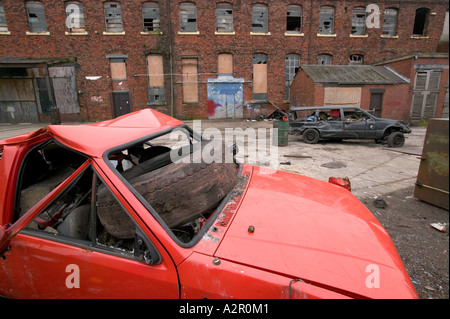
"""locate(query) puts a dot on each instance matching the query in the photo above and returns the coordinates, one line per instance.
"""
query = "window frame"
(108, 25)
(421, 21)
(154, 7)
(262, 10)
(390, 22)
(290, 65)
(325, 12)
(3, 25)
(325, 57)
(82, 26)
(31, 5)
(187, 11)
(356, 59)
(294, 8)
(225, 26)
(359, 16)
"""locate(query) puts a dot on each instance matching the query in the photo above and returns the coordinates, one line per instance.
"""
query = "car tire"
(311, 136)
(178, 192)
(396, 139)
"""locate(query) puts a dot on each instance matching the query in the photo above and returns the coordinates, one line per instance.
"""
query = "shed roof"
(353, 74)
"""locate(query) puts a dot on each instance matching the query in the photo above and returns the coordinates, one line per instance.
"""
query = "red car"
(104, 211)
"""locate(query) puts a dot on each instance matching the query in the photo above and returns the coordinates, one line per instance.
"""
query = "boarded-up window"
(225, 61)
(118, 69)
(224, 17)
(326, 22)
(292, 65)
(155, 72)
(421, 21)
(356, 59)
(390, 22)
(190, 80)
(113, 17)
(188, 17)
(260, 20)
(324, 59)
(36, 16)
(359, 21)
(294, 19)
(3, 25)
(259, 76)
(75, 17)
(150, 17)
(342, 96)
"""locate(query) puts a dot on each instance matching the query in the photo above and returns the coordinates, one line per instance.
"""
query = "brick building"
(95, 60)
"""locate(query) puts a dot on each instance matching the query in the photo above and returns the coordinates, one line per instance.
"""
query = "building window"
(260, 20)
(259, 61)
(356, 59)
(324, 59)
(3, 25)
(150, 17)
(426, 91)
(326, 21)
(294, 19)
(292, 65)
(188, 17)
(155, 71)
(359, 21)
(113, 17)
(75, 17)
(36, 16)
(190, 80)
(390, 22)
(421, 21)
(225, 64)
(224, 17)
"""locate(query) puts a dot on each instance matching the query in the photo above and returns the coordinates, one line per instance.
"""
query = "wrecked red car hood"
(315, 231)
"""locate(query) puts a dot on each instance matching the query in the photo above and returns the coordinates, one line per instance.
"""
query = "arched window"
(188, 17)
(36, 16)
(259, 61)
(150, 17)
(359, 21)
(421, 21)
(294, 19)
(260, 19)
(326, 21)
(324, 59)
(390, 22)
(75, 16)
(113, 17)
(291, 67)
(224, 17)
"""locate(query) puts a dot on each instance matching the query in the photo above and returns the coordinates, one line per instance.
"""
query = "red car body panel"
(310, 239)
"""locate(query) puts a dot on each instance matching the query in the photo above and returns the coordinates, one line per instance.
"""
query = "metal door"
(121, 103)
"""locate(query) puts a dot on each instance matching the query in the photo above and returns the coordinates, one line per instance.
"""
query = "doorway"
(376, 102)
(121, 103)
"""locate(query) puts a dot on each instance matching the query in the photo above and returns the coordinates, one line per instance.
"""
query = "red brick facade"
(92, 51)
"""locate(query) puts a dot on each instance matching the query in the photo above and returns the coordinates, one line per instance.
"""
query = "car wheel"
(396, 139)
(311, 136)
(178, 192)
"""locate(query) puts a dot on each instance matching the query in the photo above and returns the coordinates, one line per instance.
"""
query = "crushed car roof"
(94, 139)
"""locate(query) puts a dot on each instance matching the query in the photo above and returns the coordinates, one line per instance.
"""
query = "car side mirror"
(144, 250)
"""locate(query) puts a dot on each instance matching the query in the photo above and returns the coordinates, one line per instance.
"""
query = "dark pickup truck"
(345, 122)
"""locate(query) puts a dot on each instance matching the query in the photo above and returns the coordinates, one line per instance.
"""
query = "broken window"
(421, 21)
(294, 19)
(150, 17)
(75, 17)
(225, 63)
(190, 80)
(390, 22)
(44, 168)
(326, 22)
(324, 59)
(36, 16)
(291, 68)
(113, 17)
(359, 21)
(180, 177)
(259, 76)
(224, 17)
(3, 25)
(356, 59)
(155, 70)
(188, 17)
(260, 20)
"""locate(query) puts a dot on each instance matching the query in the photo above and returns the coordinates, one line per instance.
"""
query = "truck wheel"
(396, 139)
(311, 136)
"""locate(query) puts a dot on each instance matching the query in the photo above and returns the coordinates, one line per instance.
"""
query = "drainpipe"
(171, 36)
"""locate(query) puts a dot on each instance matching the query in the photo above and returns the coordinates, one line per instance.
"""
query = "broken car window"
(179, 177)
(45, 168)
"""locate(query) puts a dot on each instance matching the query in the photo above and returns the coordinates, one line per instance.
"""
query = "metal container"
(283, 133)
(432, 183)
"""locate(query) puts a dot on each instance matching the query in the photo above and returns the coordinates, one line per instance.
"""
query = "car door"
(59, 248)
(355, 124)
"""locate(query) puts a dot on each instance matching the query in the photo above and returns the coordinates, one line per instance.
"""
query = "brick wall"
(91, 50)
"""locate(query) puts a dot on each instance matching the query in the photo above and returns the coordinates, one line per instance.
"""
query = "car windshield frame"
(213, 216)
